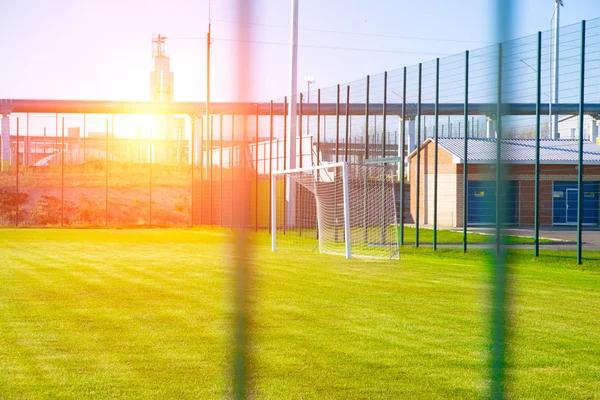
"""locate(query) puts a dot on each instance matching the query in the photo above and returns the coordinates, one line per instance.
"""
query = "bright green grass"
(146, 314)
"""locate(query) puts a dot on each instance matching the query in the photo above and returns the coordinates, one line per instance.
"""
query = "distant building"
(558, 182)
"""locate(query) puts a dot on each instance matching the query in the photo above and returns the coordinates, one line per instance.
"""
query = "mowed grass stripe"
(131, 336)
(147, 313)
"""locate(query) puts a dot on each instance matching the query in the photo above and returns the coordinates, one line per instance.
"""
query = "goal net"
(345, 209)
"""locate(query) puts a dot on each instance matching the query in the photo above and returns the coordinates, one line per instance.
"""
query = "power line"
(356, 33)
(318, 46)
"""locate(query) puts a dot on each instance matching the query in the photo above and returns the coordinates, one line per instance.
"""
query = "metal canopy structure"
(8, 106)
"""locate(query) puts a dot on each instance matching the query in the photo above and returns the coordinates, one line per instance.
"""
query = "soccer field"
(148, 314)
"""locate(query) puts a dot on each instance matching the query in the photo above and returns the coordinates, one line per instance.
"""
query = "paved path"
(565, 237)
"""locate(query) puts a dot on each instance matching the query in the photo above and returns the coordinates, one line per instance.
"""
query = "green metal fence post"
(300, 114)
(271, 161)
(384, 112)
(466, 155)
(221, 170)
(192, 163)
(402, 151)
(435, 154)
(536, 207)
(580, 150)
(106, 179)
(256, 171)
(17, 177)
(347, 123)
(367, 118)
(62, 176)
(383, 175)
(318, 127)
(337, 125)
(417, 148)
(285, 107)
(232, 168)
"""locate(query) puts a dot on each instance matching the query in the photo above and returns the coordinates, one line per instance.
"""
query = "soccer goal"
(341, 208)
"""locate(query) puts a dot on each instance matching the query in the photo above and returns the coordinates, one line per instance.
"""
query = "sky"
(100, 50)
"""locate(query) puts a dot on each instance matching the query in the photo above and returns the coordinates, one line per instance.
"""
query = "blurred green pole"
(580, 161)
(504, 12)
(536, 207)
(402, 150)
(435, 154)
(417, 148)
(466, 154)
(498, 351)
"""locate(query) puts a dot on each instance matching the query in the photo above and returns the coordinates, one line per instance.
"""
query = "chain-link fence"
(437, 121)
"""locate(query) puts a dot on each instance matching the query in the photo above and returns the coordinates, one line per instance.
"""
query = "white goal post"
(337, 208)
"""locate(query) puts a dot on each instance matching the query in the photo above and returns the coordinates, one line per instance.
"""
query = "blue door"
(572, 197)
(481, 202)
(565, 197)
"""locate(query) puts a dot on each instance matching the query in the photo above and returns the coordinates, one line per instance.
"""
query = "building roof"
(519, 151)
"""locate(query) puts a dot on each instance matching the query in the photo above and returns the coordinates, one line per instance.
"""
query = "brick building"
(558, 182)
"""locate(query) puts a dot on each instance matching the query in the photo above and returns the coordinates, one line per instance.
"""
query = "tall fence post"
(580, 187)
(300, 113)
(106, 179)
(383, 173)
(150, 162)
(337, 124)
(367, 118)
(209, 168)
(201, 171)
(62, 176)
(318, 126)
(418, 149)
(536, 207)
(221, 170)
(466, 156)
(384, 112)
(256, 170)
(271, 205)
(435, 151)
(231, 168)
(402, 151)
(347, 123)
(285, 107)
(17, 198)
(193, 164)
